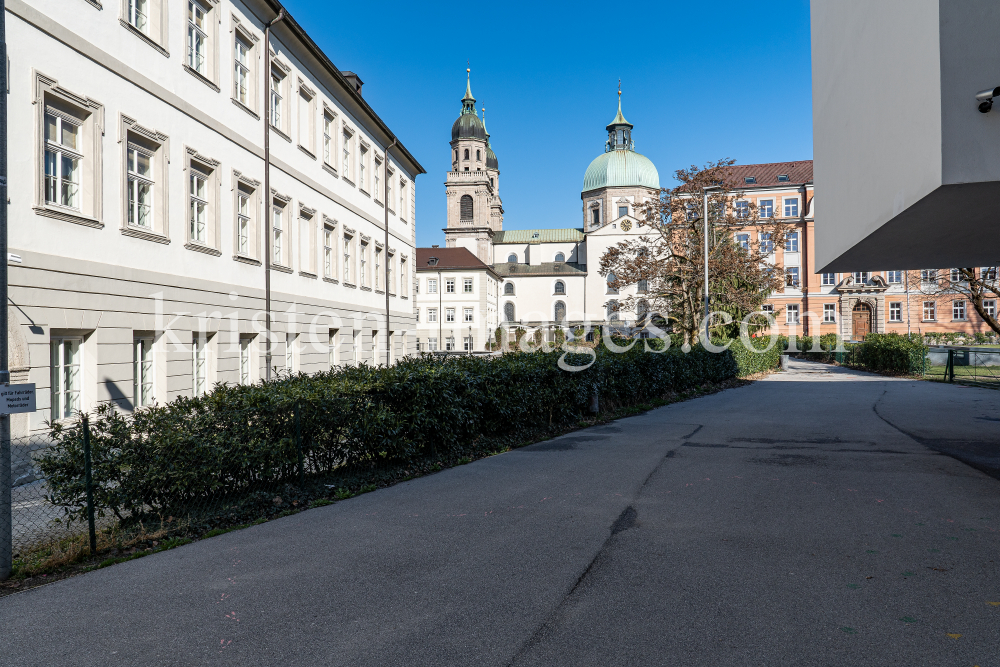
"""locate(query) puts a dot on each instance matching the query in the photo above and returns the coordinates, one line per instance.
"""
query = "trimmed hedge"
(890, 353)
(167, 459)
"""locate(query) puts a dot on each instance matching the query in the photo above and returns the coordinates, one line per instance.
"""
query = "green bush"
(238, 441)
(890, 353)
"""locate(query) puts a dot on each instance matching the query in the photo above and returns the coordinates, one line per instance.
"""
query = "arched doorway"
(861, 320)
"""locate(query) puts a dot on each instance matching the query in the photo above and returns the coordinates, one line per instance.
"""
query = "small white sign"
(15, 398)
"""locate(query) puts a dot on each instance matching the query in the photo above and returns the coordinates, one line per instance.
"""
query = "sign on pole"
(15, 398)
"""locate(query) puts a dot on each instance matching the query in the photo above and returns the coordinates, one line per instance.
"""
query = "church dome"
(621, 168)
(491, 158)
(468, 126)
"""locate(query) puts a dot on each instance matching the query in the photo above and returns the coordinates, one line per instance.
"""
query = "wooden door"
(861, 321)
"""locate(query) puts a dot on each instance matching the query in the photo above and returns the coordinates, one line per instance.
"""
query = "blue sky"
(700, 81)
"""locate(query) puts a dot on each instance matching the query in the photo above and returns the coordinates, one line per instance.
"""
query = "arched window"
(465, 208)
(478, 155)
(560, 312)
(560, 287)
(456, 154)
(508, 288)
(611, 281)
(508, 312)
(560, 257)
(512, 258)
(642, 286)
(613, 311)
(641, 310)
(466, 153)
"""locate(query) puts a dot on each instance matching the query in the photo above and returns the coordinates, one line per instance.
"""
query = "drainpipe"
(269, 202)
(440, 311)
(385, 281)
(804, 260)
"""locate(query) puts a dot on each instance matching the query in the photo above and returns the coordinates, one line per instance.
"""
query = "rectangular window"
(767, 308)
(241, 74)
(958, 310)
(449, 285)
(642, 286)
(347, 155)
(245, 360)
(328, 251)
(142, 372)
(743, 241)
(742, 209)
(332, 348)
(432, 344)
(792, 276)
(432, 286)
(449, 315)
(197, 38)
(449, 343)
(956, 276)
(766, 207)
(66, 363)
(829, 278)
(363, 264)
(467, 343)
(277, 101)
(766, 244)
(347, 258)
(467, 315)
(199, 365)
(928, 276)
(290, 353)
(595, 216)
(861, 277)
(792, 242)
(989, 273)
(930, 311)
(138, 15)
(402, 201)
(307, 120)
(792, 314)
(432, 314)
(622, 211)
(896, 311)
(391, 276)
(378, 268)
(792, 207)
(895, 277)
(990, 307)
(63, 158)
(327, 139)
(467, 286)
(199, 206)
(140, 187)
(243, 222)
(277, 234)
(829, 312)
(376, 170)
(362, 160)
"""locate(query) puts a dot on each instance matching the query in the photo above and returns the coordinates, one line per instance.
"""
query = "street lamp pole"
(269, 201)
(6, 476)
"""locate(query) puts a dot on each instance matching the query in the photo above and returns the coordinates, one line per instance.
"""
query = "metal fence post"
(949, 371)
(298, 444)
(89, 481)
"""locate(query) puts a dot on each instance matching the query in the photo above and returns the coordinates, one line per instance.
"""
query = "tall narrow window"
(958, 310)
(140, 187)
(467, 314)
(508, 312)
(142, 372)
(276, 100)
(363, 264)
(333, 348)
(792, 313)
(792, 242)
(197, 39)
(402, 199)
(622, 211)
(743, 241)
(449, 285)
(829, 312)
(199, 206)
(465, 208)
(347, 154)
(390, 285)
(327, 139)
(792, 207)
(243, 222)
(766, 243)
(277, 233)
(765, 207)
(378, 268)
(65, 366)
(245, 348)
(896, 311)
(930, 311)
(612, 281)
(467, 285)
(595, 215)
(138, 14)
(241, 75)
(432, 286)
(376, 181)
(362, 158)
(199, 365)
(62, 161)
(347, 259)
(290, 353)
(328, 252)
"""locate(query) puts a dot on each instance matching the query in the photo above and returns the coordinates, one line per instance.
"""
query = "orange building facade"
(851, 304)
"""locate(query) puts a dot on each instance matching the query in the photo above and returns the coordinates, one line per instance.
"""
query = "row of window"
(468, 344)
(468, 315)
(356, 163)
(765, 208)
(766, 244)
(558, 258)
(449, 285)
(895, 311)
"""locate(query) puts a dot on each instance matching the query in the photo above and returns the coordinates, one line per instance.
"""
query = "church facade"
(547, 276)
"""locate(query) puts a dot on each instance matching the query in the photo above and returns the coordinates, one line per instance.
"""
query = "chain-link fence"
(964, 365)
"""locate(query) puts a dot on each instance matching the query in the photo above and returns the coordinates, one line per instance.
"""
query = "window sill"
(348, 181)
(68, 216)
(331, 280)
(144, 37)
(283, 269)
(95, 3)
(379, 203)
(363, 192)
(394, 213)
(308, 274)
(312, 156)
(201, 77)
(197, 247)
(281, 134)
(330, 170)
(352, 286)
(928, 320)
(246, 260)
(245, 108)
(366, 289)
(378, 291)
(405, 297)
(145, 235)
(391, 294)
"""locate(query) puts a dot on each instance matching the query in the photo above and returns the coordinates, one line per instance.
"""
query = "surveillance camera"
(985, 99)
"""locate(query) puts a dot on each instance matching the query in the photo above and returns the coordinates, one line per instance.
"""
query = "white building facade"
(139, 214)
(456, 301)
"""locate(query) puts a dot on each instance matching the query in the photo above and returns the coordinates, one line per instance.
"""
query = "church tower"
(472, 188)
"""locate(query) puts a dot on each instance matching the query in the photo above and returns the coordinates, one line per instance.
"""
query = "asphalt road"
(808, 519)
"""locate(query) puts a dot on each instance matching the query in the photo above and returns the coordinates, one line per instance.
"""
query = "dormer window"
(782, 178)
(432, 261)
(534, 235)
(750, 180)
(512, 258)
